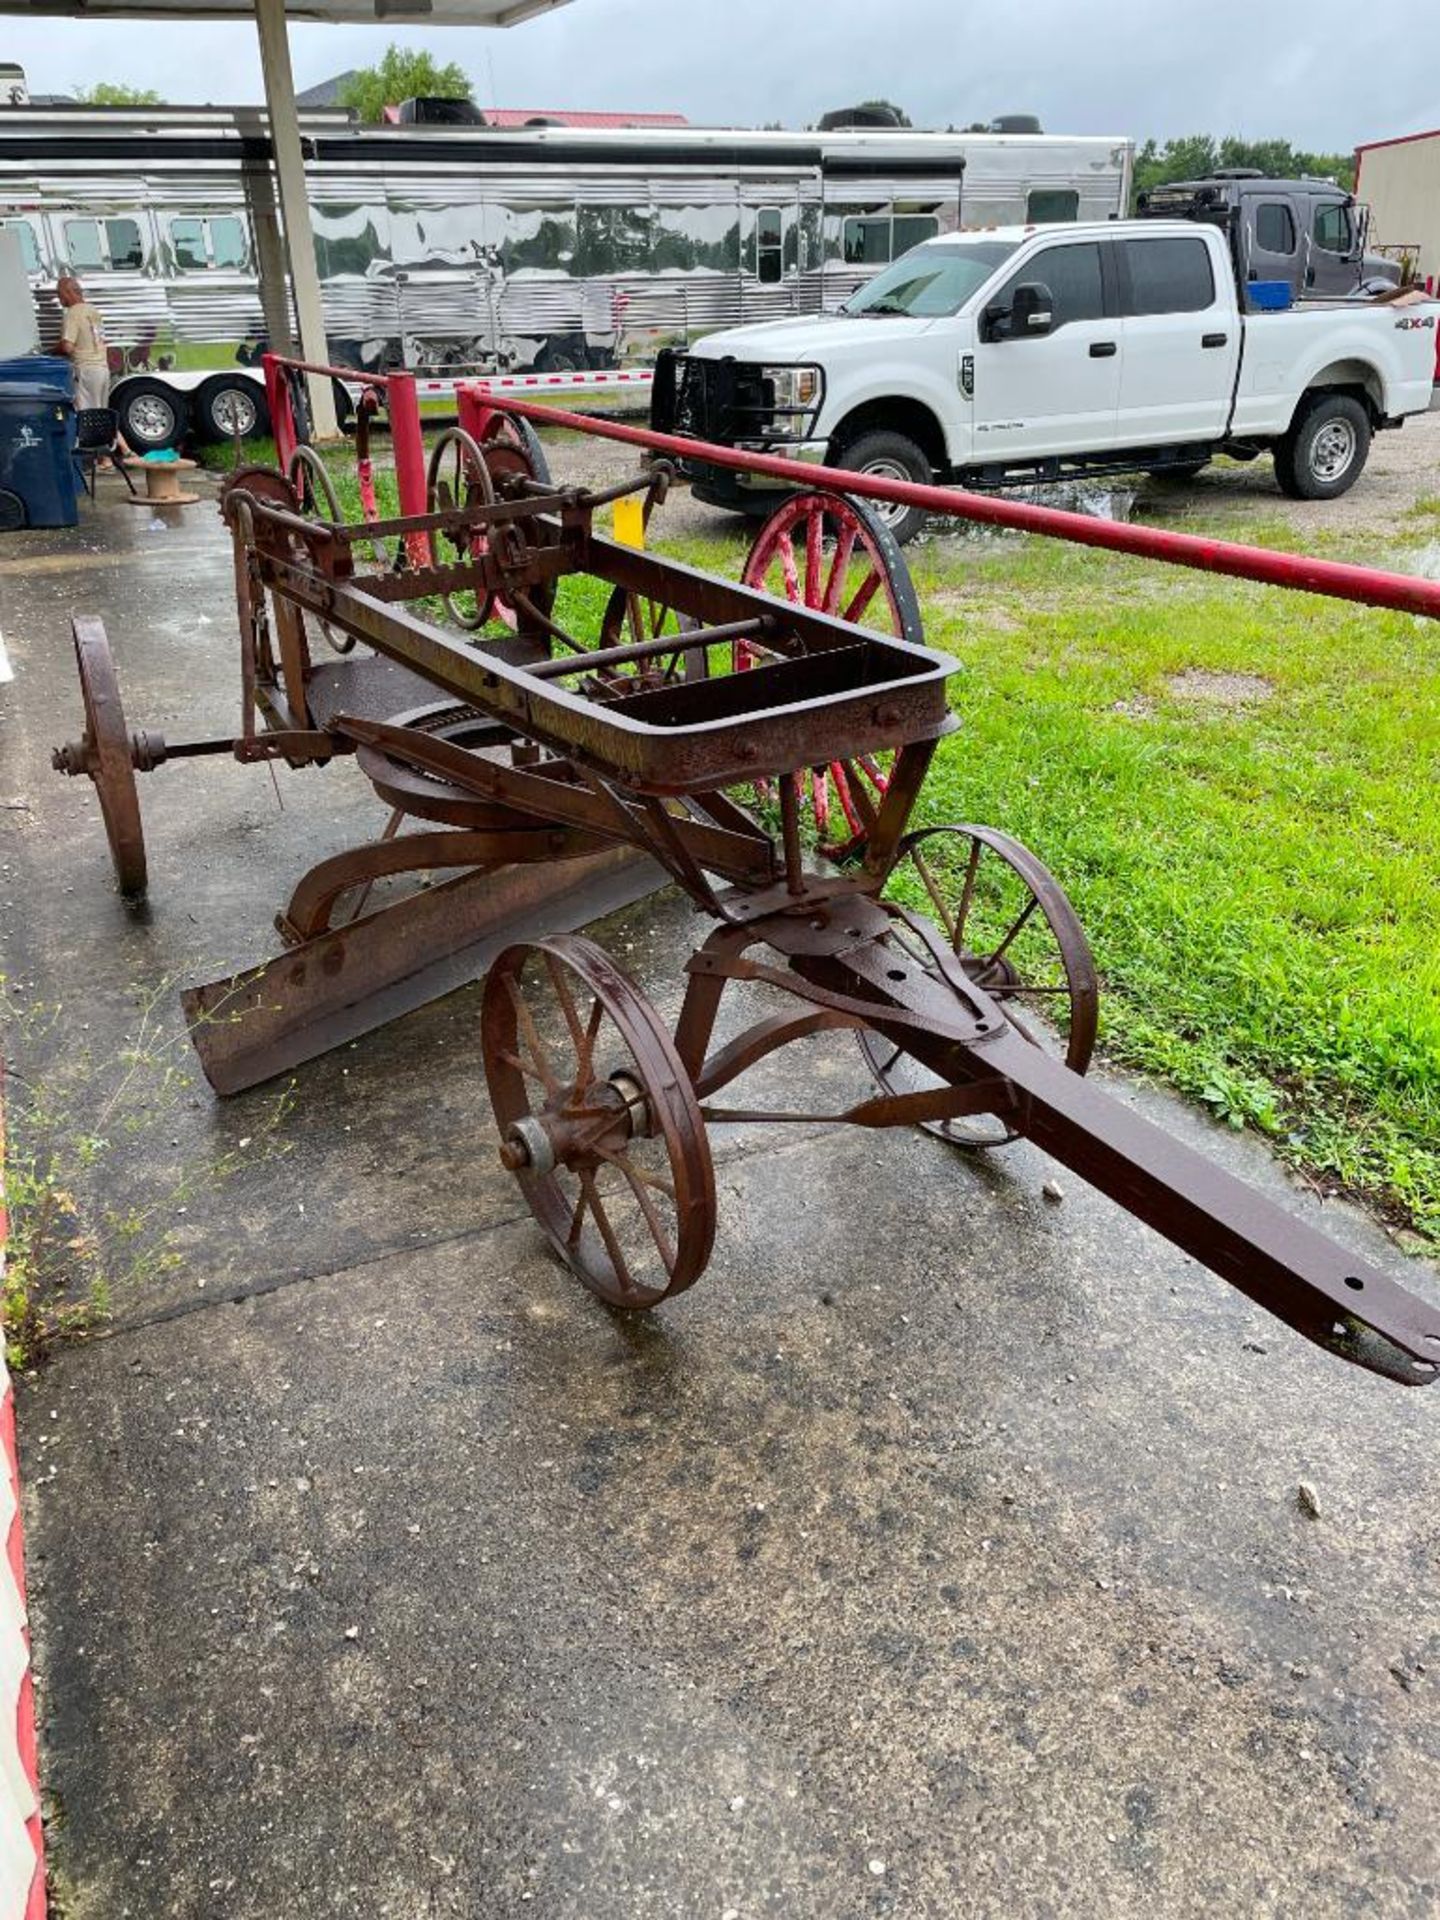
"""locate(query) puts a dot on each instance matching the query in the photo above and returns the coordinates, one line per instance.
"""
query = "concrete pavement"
(939, 1554)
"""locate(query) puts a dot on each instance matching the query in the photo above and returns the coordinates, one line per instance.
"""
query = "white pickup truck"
(1031, 353)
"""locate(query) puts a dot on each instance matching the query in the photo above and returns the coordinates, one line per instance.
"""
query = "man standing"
(82, 341)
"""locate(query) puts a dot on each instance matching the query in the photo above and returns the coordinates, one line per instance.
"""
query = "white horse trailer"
(457, 251)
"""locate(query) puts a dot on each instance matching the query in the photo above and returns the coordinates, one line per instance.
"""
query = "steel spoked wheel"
(1016, 936)
(830, 553)
(512, 447)
(458, 479)
(315, 495)
(108, 757)
(598, 1121)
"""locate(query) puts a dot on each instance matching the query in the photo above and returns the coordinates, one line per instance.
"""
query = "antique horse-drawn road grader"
(559, 721)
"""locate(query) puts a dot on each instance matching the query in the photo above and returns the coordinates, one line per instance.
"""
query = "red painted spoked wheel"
(831, 553)
(458, 477)
(598, 1121)
(1017, 937)
(107, 756)
(505, 436)
(315, 494)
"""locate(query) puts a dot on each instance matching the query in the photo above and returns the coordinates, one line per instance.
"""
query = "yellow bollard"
(630, 523)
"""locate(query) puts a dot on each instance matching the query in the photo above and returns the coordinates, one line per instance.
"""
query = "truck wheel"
(1324, 453)
(152, 415)
(226, 407)
(889, 456)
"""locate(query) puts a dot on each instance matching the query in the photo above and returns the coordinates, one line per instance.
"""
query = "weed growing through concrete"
(93, 1191)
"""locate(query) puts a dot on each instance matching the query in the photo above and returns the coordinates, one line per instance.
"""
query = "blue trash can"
(36, 432)
(39, 370)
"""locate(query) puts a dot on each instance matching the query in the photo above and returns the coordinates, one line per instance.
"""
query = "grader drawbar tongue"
(553, 761)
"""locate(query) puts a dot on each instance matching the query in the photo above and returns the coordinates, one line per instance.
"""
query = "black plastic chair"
(97, 429)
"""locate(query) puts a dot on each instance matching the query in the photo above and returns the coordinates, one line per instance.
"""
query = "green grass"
(1260, 882)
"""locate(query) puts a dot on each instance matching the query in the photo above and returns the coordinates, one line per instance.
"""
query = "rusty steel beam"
(352, 979)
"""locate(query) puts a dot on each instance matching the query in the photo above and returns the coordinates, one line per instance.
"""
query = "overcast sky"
(1323, 73)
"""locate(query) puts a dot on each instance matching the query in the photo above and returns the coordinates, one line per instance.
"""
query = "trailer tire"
(1324, 453)
(563, 353)
(891, 456)
(152, 415)
(227, 406)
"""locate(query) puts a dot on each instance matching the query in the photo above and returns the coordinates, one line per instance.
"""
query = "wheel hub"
(1333, 450)
(612, 1112)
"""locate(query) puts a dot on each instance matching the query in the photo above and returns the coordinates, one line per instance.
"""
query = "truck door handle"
(1103, 349)
(1213, 340)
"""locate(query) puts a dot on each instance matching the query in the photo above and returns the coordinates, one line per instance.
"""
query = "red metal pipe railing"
(1371, 586)
(402, 407)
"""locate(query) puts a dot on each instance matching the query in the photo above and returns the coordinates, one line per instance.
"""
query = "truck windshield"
(932, 280)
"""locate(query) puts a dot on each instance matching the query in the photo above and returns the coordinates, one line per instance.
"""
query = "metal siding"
(413, 235)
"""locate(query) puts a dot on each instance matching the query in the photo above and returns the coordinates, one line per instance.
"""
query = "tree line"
(1197, 154)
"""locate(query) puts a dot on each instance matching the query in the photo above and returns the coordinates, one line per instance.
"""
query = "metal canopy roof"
(414, 13)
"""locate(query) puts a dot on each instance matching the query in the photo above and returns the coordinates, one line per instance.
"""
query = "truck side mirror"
(1032, 309)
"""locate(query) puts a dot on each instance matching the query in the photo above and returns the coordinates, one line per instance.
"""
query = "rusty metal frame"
(524, 772)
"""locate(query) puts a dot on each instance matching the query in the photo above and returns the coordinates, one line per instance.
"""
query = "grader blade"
(354, 978)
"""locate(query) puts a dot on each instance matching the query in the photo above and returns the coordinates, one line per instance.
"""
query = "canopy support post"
(295, 206)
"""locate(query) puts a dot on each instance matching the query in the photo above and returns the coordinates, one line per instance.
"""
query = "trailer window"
(1274, 229)
(1332, 227)
(1046, 204)
(126, 253)
(769, 245)
(82, 245)
(29, 250)
(187, 237)
(227, 241)
(1169, 276)
(910, 229)
(866, 242)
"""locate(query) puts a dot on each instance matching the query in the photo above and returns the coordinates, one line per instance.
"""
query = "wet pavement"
(940, 1553)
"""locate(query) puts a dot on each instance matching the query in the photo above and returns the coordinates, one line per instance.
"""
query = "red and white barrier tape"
(22, 1862)
(542, 382)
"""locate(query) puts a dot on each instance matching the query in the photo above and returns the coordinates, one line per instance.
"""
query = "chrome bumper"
(812, 451)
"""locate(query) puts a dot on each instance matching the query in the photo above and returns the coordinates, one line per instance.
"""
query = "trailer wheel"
(564, 353)
(227, 408)
(1324, 453)
(152, 415)
(889, 456)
